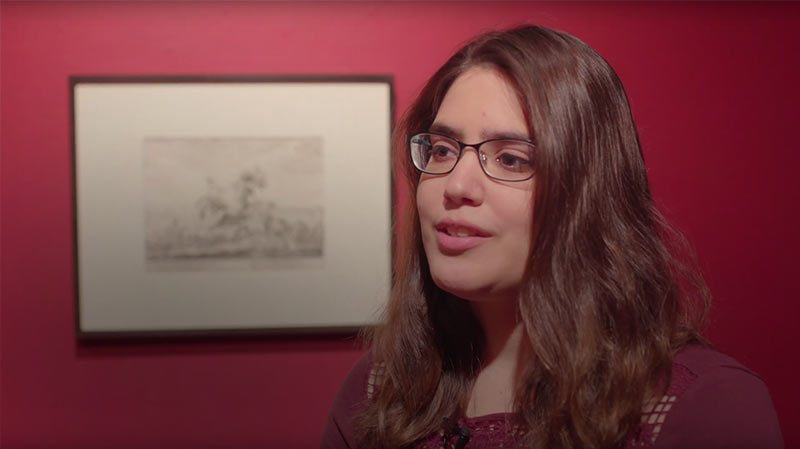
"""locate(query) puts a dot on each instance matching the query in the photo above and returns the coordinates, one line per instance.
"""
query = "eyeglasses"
(501, 159)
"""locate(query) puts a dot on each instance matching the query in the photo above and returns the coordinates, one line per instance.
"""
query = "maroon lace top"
(712, 402)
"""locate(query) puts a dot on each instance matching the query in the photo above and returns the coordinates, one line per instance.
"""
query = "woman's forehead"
(480, 105)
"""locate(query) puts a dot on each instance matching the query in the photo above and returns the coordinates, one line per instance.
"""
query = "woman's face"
(476, 230)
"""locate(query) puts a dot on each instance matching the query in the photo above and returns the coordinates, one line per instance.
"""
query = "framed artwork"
(231, 204)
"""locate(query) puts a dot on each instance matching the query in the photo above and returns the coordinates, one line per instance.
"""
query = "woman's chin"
(456, 287)
(470, 290)
(474, 289)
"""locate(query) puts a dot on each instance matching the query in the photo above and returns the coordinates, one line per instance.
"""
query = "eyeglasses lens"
(507, 160)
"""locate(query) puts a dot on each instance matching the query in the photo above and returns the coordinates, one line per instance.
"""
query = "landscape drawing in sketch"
(233, 203)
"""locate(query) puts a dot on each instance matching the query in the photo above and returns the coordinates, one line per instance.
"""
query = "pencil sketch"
(228, 203)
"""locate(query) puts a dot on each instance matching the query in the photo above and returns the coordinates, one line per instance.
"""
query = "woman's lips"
(456, 237)
(449, 244)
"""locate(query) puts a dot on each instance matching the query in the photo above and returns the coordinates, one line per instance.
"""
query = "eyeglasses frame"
(461, 147)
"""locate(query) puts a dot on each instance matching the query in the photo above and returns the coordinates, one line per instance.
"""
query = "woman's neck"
(502, 329)
(493, 388)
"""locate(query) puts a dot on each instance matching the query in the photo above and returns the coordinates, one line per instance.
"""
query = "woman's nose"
(465, 184)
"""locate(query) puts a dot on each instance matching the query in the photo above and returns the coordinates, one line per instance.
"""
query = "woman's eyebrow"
(440, 128)
(489, 135)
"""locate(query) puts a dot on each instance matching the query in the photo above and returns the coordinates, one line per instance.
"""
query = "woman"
(537, 300)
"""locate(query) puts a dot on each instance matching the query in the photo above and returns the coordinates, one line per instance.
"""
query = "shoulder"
(701, 359)
(354, 386)
(340, 427)
(713, 402)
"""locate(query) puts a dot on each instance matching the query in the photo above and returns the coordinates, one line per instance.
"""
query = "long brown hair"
(605, 302)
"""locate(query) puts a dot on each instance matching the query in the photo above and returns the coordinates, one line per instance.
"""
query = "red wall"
(714, 89)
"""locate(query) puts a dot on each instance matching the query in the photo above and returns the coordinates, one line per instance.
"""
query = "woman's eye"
(513, 162)
(440, 152)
